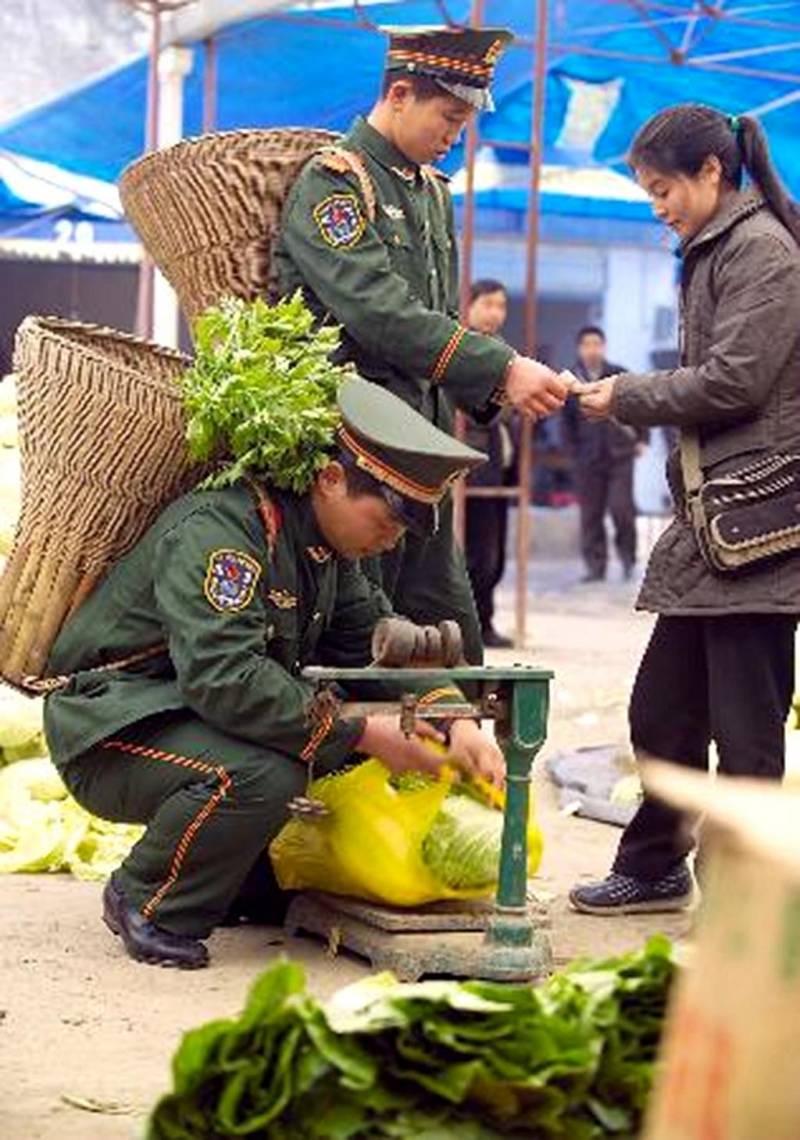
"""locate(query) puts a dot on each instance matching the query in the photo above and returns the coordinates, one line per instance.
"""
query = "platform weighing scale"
(505, 940)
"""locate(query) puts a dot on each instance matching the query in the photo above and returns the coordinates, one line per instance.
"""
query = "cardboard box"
(730, 1058)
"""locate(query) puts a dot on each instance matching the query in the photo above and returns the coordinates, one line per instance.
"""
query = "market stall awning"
(611, 65)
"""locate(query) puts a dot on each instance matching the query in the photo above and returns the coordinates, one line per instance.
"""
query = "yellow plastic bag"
(370, 843)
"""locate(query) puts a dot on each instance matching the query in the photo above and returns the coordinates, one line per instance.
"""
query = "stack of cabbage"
(41, 827)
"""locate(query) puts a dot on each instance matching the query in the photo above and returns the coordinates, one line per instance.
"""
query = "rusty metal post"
(210, 84)
(467, 247)
(531, 310)
(144, 302)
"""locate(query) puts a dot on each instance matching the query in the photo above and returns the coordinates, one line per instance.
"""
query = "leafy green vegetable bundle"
(569, 1060)
(261, 394)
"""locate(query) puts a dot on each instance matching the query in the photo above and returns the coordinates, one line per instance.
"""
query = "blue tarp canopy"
(35, 196)
(611, 66)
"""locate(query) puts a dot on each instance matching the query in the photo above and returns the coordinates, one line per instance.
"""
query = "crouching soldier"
(206, 736)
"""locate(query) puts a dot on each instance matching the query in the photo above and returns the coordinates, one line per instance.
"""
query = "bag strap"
(690, 461)
(693, 481)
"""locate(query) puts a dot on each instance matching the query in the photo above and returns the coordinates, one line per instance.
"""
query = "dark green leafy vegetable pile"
(569, 1060)
(261, 394)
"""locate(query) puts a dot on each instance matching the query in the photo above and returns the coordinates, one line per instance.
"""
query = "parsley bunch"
(261, 395)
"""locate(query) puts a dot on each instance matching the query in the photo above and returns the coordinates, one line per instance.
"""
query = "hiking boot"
(146, 942)
(624, 894)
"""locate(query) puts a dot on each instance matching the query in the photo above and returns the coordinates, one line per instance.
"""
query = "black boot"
(146, 942)
(494, 640)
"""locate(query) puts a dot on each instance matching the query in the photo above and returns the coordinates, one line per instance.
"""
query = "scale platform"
(442, 939)
(504, 940)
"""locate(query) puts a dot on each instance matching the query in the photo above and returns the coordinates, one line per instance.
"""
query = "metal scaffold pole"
(531, 308)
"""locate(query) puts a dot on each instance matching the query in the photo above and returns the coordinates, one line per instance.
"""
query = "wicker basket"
(207, 209)
(102, 442)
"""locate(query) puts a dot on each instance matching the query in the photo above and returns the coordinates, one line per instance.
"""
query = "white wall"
(638, 281)
(630, 282)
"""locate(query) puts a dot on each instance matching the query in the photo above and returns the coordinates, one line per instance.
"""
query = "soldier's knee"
(266, 777)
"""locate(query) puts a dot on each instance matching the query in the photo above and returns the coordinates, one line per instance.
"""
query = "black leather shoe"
(146, 942)
(494, 640)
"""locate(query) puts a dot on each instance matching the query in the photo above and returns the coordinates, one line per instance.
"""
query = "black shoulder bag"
(746, 516)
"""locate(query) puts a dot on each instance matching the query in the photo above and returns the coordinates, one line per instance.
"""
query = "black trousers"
(729, 679)
(485, 531)
(607, 488)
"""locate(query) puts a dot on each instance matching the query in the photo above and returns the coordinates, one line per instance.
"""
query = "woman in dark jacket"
(720, 663)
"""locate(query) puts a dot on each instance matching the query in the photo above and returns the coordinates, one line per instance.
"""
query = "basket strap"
(44, 685)
(267, 512)
(350, 161)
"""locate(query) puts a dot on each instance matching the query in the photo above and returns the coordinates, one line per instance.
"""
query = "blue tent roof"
(35, 196)
(609, 70)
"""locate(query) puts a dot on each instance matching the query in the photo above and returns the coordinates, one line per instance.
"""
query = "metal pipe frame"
(531, 310)
(144, 300)
(210, 83)
(467, 248)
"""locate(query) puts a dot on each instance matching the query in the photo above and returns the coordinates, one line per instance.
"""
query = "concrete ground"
(82, 1026)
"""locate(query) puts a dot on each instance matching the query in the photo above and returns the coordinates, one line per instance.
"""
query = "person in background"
(603, 452)
(486, 521)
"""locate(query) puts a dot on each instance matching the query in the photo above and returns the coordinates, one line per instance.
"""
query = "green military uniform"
(387, 270)
(209, 737)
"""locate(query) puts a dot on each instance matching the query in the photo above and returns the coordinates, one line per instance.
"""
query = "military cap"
(461, 60)
(412, 462)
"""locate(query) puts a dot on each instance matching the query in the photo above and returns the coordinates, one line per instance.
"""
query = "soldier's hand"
(475, 753)
(533, 388)
(382, 738)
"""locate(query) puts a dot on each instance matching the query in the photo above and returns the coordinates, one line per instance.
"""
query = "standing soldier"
(371, 242)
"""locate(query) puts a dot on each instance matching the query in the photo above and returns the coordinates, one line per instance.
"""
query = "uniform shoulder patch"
(231, 580)
(334, 160)
(340, 220)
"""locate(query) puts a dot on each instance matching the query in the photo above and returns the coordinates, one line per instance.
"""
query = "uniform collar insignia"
(407, 173)
(283, 599)
(319, 554)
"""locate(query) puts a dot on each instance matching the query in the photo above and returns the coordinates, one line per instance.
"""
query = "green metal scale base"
(505, 941)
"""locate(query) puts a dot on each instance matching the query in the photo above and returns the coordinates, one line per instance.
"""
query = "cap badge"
(494, 51)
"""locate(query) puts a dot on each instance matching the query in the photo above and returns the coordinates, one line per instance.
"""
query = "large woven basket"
(102, 443)
(207, 210)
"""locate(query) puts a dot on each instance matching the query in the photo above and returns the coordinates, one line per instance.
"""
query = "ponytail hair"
(679, 139)
(757, 162)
